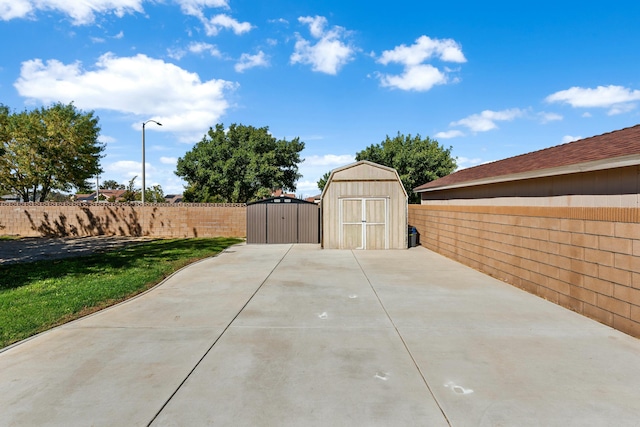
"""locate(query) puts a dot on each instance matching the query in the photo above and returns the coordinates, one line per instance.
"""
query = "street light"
(143, 160)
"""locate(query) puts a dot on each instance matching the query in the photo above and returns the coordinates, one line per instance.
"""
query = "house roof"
(279, 192)
(614, 149)
(116, 194)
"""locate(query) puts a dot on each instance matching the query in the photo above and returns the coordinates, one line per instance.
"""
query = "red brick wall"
(155, 220)
(585, 259)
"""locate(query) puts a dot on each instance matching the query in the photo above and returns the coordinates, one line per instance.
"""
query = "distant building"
(173, 198)
(10, 198)
(280, 193)
(314, 199)
(106, 195)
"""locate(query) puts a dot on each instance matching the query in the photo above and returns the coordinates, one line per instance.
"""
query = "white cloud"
(80, 12)
(146, 87)
(617, 98)
(486, 120)
(569, 138)
(449, 134)
(549, 117)
(105, 139)
(315, 166)
(307, 188)
(465, 162)
(250, 61)
(200, 47)
(417, 75)
(222, 21)
(278, 21)
(124, 170)
(329, 53)
(316, 24)
(424, 48)
(195, 7)
(329, 160)
(169, 160)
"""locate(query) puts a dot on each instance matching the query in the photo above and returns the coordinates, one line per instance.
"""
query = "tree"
(53, 148)
(241, 164)
(154, 194)
(130, 194)
(111, 184)
(323, 181)
(417, 160)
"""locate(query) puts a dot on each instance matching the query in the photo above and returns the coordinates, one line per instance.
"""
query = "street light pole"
(143, 159)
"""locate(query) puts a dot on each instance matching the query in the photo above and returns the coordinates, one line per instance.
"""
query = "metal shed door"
(282, 223)
(363, 223)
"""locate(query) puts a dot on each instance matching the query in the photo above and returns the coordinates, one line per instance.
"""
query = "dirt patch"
(31, 249)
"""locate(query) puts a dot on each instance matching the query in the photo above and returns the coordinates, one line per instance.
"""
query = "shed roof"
(614, 149)
(361, 163)
(280, 199)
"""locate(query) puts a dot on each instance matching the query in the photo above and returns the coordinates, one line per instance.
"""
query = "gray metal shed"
(283, 220)
(364, 206)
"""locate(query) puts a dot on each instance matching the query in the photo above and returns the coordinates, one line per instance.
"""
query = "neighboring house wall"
(122, 219)
(584, 258)
(618, 187)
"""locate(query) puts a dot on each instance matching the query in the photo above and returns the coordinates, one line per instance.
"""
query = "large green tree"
(238, 165)
(49, 148)
(418, 160)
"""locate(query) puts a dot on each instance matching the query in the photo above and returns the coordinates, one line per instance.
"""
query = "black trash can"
(413, 237)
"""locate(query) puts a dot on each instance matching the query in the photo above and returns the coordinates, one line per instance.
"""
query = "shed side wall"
(584, 259)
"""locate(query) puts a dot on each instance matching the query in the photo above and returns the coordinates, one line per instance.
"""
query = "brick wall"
(155, 220)
(585, 259)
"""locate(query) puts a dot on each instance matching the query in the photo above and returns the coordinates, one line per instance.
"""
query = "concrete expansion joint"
(384, 376)
(164, 405)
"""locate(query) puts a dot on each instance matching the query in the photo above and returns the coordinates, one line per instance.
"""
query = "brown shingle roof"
(610, 145)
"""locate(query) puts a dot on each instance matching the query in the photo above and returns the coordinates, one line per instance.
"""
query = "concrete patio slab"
(284, 335)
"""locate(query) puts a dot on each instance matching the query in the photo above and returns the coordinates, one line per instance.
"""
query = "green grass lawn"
(39, 295)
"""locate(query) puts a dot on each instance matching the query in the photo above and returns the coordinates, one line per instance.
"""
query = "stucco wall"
(585, 259)
(156, 220)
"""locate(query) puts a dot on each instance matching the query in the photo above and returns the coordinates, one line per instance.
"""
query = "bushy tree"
(323, 181)
(154, 194)
(131, 194)
(240, 164)
(49, 148)
(111, 184)
(417, 160)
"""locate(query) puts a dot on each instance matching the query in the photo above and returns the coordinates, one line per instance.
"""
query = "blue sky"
(490, 79)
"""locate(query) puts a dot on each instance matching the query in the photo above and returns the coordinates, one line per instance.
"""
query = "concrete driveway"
(291, 335)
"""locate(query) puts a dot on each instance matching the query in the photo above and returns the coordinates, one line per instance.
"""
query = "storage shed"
(364, 206)
(283, 220)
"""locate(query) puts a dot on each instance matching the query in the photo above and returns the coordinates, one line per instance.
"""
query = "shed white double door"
(364, 223)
